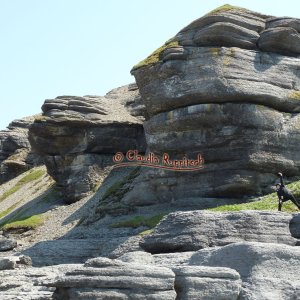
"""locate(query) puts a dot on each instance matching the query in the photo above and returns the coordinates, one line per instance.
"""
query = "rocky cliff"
(226, 86)
(16, 155)
(78, 136)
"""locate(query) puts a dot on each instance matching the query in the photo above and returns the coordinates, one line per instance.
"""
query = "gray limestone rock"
(222, 88)
(268, 271)
(78, 136)
(189, 231)
(16, 155)
(7, 263)
(7, 244)
(115, 280)
(209, 283)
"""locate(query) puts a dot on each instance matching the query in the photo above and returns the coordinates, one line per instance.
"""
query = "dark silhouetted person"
(284, 194)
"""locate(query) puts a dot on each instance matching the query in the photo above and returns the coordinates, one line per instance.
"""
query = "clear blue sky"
(78, 47)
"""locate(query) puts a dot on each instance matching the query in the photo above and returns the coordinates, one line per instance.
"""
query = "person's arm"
(281, 178)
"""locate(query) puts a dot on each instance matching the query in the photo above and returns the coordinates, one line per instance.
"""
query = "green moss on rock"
(225, 7)
(156, 55)
(294, 95)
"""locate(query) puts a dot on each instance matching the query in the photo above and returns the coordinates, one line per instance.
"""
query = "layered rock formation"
(16, 156)
(268, 271)
(194, 230)
(78, 136)
(112, 279)
(226, 86)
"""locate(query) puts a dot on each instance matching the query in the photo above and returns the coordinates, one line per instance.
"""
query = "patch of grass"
(138, 221)
(31, 176)
(8, 210)
(113, 190)
(118, 189)
(294, 95)
(29, 222)
(156, 55)
(268, 202)
(146, 232)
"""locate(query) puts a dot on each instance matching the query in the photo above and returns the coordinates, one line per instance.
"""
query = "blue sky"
(79, 47)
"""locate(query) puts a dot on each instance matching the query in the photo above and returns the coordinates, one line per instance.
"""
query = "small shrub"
(156, 55)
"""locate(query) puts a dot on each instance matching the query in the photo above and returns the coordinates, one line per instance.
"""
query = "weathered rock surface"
(12, 262)
(16, 156)
(78, 136)
(221, 88)
(24, 283)
(195, 282)
(268, 271)
(102, 278)
(7, 244)
(189, 231)
(72, 251)
(281, 36)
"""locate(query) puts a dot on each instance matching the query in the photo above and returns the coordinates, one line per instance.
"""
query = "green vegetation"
(118, 189)
(26, 223)
(268, 202)
(8, 210)
(146, 232)
(294, 95)
(32, 175)
(138, 221)
(225, 7)
(156, 55)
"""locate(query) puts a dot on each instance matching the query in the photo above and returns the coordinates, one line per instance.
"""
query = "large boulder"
(16, 155)
(78, 136)
(222, 88)
(194, 230)
(268, 271)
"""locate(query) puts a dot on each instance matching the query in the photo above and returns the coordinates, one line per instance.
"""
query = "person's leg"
(294, 200)
(279, 205)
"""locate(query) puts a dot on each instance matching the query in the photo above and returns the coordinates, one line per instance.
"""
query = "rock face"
(268, 271)
(102, 278)
(78, 136)
(194, 282)
(16, 156)
(194, 230)
(226, 86)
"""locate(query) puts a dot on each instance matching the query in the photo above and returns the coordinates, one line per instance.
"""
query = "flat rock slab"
(194, 230)
(72, 251)
(268, 271)
(22, 283)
